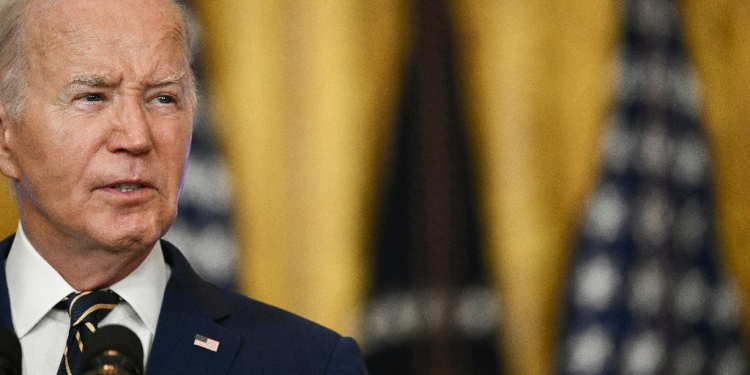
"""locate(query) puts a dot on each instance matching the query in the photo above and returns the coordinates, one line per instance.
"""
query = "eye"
(165, 99)
(93, 97)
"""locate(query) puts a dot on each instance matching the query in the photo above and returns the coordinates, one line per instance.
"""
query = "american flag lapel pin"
(206, 343)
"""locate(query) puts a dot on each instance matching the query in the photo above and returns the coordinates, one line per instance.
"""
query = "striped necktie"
(86, 310)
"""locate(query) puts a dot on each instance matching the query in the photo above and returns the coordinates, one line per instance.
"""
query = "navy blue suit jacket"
(254, 338)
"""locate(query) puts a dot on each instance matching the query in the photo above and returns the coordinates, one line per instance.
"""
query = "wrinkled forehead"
(54, 21)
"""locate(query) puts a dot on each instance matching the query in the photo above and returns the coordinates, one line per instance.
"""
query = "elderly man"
(96, 108)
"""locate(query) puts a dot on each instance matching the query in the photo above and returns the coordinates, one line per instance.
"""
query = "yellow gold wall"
(304, 92)
(539, 81)
(8, 211)
(301, 91)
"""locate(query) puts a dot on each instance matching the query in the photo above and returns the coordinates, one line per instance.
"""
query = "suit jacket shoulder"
(254, 338)
(6, 318)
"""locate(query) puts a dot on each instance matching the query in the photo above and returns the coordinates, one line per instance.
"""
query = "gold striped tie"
(86, 310)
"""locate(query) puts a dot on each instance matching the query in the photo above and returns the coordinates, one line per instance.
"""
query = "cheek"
(65, 156)
(174, 148)
(53, 162)
(37, 151)
(55, 139)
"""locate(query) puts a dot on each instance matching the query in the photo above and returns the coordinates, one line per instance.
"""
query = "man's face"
(100, 155)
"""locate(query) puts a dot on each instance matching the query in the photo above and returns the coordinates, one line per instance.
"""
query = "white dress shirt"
(35, 288)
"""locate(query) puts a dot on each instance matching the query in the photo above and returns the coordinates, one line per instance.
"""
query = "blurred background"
(420, 174)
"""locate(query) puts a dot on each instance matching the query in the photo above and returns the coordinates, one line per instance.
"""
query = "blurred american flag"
(647, 294)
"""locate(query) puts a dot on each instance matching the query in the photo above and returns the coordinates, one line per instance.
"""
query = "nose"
(131, 129)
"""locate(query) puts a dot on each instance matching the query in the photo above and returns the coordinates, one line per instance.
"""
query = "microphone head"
(113, 343)
(10, 352)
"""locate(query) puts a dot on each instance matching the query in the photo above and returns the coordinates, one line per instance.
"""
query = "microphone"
(10, 353)
(112, 350)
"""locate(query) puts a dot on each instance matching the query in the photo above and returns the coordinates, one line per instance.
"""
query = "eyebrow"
(90, 80)
(175, 78)
(97, 80)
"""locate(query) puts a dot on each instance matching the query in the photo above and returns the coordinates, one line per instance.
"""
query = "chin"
(127, 231)
(133, 238)
(128, 242)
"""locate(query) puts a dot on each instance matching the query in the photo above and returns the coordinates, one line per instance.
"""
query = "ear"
(8, 165)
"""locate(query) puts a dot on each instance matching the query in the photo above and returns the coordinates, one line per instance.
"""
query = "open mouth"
(126, 188)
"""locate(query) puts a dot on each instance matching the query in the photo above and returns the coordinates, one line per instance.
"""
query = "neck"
(88, 267)
(96, 272)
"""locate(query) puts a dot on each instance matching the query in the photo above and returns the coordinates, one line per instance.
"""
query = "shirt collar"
(34, 287)
(144, 288)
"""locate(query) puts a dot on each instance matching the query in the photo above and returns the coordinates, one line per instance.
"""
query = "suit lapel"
(190, 307)
(5, 316)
